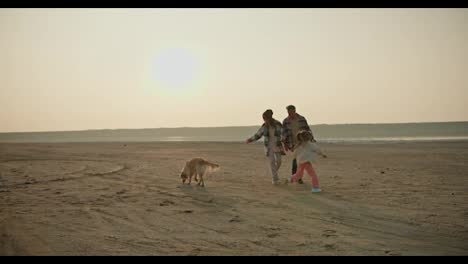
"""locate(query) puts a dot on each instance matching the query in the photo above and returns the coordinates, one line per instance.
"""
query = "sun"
(175, 68)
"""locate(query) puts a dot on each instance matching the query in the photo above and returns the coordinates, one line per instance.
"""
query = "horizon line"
(97, 129)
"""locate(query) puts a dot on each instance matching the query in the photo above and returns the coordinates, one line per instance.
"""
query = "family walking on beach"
(293, 135)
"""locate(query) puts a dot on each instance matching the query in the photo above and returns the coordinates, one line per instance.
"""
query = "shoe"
(316, 190)
(300, 181)
(275, 182)
(289, 179)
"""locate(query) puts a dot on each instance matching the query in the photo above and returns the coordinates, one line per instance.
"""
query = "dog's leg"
(197, 176)
(202, 173)
(199, 180)
(190, 179)
(202, 181)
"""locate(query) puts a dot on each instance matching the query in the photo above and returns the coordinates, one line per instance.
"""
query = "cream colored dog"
(197, 167)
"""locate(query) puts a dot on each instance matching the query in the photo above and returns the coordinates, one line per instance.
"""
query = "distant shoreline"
(359, 133)
(325, 142)
(224, 127)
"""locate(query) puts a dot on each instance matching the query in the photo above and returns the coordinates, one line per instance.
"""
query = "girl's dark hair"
(301, 134)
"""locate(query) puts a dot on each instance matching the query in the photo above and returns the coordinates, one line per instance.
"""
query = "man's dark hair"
(290, 107)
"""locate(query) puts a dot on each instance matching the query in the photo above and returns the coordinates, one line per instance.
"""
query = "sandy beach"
(127, 199)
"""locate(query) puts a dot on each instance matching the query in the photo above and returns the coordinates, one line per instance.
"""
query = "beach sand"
(127, 199)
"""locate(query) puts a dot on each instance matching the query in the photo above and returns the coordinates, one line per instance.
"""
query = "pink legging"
(310, 170)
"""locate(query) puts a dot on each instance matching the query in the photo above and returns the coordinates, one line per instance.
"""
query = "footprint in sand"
(194, 252)
(330, 246)
(166, 203)
(391, 253)
(272, 235)
(329, 233)
(31, 181)
(121, 192)
(235, 219)
(270, 228)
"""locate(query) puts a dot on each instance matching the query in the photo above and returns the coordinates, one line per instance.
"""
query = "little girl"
(305, 153)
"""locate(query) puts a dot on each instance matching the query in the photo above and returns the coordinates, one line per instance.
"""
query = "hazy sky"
(74, 69)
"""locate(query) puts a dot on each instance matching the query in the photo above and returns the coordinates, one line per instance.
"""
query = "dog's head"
(183, 173)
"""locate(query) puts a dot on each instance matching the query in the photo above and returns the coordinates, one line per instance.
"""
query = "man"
(291, 126)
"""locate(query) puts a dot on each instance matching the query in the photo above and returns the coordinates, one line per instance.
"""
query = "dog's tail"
(212, 166)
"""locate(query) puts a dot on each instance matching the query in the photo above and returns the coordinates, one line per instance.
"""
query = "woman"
(271, 131)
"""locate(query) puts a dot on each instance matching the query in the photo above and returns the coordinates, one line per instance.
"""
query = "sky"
(78, 69)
